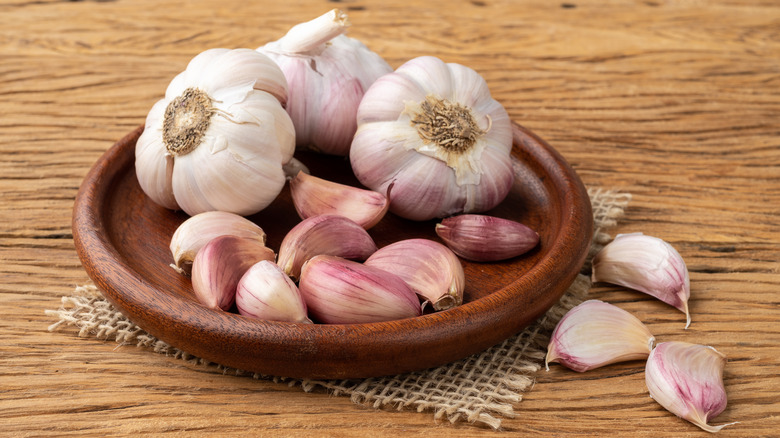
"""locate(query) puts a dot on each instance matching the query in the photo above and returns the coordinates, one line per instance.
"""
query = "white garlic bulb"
(219, 137)
(434, 130)
(327, 73)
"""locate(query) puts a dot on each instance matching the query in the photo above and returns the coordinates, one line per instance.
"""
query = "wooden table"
(676, 102)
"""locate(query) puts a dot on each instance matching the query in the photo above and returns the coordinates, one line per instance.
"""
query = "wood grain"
(674, 101)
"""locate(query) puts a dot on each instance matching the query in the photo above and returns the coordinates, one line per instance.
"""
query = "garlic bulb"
(647, 264)
(328, 73)
(265, 292)
(687, 380)
(434, 130)
(219, 137)
(198, 230)
(339, 291)
(594, 334)
(486, 238)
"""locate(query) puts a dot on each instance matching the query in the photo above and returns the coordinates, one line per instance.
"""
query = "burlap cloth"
(478, 389)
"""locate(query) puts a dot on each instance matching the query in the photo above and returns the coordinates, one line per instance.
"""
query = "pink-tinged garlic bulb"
(314, 196)
(219, 137)
(647, 264)
(219, 266)
(328, 234)
(328, 74)
(429, 268)
(687, 380)
(594, 334)
(434, 130)
(266, 292)
(339, 291)
(483, 238)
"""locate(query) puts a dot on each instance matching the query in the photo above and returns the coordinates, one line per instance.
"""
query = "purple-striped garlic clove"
(339, 291)
(198, 230)
(219, 266)
(328, 234)
(313, 196)
(484, 238)
(594, 334)
(266, 292)
(687, 380)
(646, 264)
(429, 268)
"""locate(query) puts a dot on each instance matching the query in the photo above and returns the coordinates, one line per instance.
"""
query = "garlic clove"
(153, 162)
(198, 230)
(430, 269)
(219, 266)
(594, 334)
(314, 196)
(687, 380)
(324, 234)
(266, 292)
(646, 264)
(486, 238)
(339, 291)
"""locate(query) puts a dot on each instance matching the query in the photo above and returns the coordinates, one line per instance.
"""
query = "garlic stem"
(306, 37)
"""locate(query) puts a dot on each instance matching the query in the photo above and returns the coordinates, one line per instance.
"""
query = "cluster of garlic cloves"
(594, 334)
(484, 238)
(687, 380)
(646, 264)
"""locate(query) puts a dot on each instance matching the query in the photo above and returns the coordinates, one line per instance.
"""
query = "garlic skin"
(647, 264)
(314, 196)
(328, 74)
(483, 238)
(687, 380)
(434, 130)
(339, 291)
(219, 137)
(265, 292)
(328, 234)
(430, 269)
(219, 266)
(198, 230)
(594, 334)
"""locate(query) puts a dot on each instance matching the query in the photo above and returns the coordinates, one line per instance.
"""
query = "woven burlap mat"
(478, 389)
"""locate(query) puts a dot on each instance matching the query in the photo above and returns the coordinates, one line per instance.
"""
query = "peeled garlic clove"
(687, 380)
(324, 234)
(339, 291)
(198, 230)
(266, 292)
(486, 238)
(594, 334)
(429, 268)
(314, 196)
(647, 264)
(219, 266)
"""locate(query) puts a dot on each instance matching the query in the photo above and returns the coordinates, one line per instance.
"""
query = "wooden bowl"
(122, 238)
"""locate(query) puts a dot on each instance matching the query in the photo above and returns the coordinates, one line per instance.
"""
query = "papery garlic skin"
(687, 380)
(313, 196)
(198, 230)
(433, 130)
(266, 292)
(484, 238)
(430, 269)
(647, 264)
(328, 234)
(219, 137)
(339, 291)
(594, 334)
(328, 74)
(219, 266)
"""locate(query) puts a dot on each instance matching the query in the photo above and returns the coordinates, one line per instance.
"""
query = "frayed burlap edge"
(478, 389)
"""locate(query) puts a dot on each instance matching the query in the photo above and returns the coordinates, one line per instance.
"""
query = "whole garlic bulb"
(328, 74)
(434, 130)
(219, 137)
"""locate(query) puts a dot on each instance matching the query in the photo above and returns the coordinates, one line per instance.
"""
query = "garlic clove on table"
(266, 292)
(484, 238)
